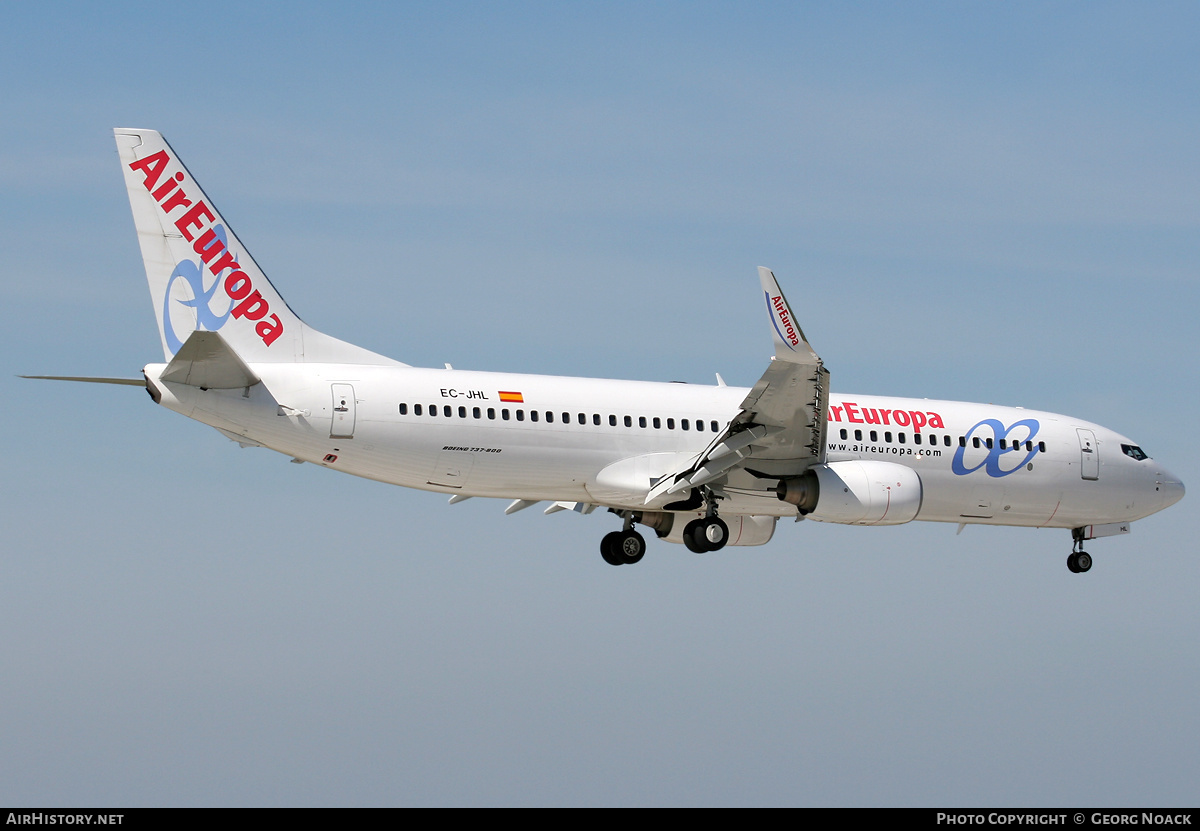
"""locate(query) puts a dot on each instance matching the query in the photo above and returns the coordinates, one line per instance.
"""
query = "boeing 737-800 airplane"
(704, 466)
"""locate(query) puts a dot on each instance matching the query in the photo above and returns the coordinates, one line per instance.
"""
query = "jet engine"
(855, 493)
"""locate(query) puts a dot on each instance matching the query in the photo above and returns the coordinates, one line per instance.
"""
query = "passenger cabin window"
(533, 415)
(462, 412)
(641, 421)
(447, 412)
(670, 424)
(416, 409)
(858, 435)
(845, 435)
(683, 424)
(403, 409)
(612, 421)
(475, 412)
(628, 421)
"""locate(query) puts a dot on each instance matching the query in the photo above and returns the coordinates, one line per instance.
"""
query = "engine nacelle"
(856, 493)
(743, 530)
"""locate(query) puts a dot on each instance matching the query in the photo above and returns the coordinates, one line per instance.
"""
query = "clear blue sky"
(966, 201)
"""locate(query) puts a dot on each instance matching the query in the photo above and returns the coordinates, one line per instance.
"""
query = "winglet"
(790, 343)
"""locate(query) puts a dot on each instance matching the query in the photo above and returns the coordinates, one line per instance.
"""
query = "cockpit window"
(1134, 452)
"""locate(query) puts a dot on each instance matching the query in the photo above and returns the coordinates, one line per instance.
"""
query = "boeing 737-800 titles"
(703, 466)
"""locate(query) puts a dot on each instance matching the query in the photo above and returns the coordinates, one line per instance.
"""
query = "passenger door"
(1089, 455)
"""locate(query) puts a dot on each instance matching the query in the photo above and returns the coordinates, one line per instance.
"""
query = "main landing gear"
(709, 533)
(1079, 560)
(624, 547)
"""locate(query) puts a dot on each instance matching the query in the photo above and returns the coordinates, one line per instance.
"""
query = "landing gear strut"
(1079, 560)
(709, 533)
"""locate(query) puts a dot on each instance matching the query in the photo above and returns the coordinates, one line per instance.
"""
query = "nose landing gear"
(1079, 560)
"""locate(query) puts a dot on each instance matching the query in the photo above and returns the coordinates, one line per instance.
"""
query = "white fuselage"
(601, 441)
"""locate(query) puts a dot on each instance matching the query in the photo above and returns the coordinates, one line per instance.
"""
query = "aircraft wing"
(780, 430)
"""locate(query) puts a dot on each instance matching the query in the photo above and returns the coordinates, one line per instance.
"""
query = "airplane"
(705, 466)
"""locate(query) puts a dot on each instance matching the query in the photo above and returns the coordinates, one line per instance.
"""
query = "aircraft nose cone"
(1171, 488)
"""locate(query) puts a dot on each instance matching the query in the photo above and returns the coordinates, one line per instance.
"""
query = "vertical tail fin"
(201, 276)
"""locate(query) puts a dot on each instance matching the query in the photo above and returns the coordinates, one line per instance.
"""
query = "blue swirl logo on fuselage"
(193, 274)
(1004, 456)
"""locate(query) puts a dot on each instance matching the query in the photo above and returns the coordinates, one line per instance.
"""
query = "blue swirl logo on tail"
(192, 274)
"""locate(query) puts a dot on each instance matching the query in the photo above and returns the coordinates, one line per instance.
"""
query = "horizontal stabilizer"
(128, 382)
(205, 360)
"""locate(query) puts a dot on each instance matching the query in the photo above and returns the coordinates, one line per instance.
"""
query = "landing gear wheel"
(631, 547)
(693, 537)
(707, 534)
(622, 548)
(609, 550)
(716, 533)
(1079, 562)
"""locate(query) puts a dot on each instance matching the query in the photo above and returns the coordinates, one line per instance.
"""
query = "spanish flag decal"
(511, 397)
